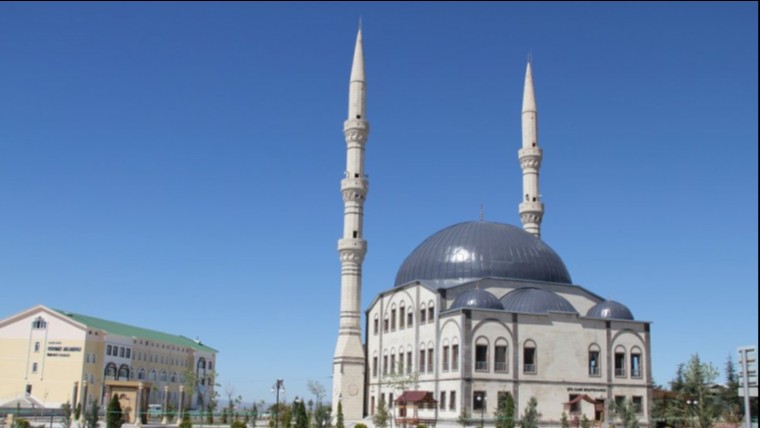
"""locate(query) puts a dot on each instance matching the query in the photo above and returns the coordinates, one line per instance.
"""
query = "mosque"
(479, 313)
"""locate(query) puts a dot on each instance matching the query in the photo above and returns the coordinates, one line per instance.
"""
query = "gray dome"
(480, 249)
(610, 309)
(476, 299)
(535, 301)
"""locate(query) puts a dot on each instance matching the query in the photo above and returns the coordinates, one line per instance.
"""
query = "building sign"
(61, 351)
(585, 389)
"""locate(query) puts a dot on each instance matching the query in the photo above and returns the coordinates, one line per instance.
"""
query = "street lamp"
(296, 410)
(278, 386)
(482, 400)
(692, 404)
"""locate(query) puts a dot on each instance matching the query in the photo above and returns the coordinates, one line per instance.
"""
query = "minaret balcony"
(356, 125)
(357, 185)
(530, 152)
(531, 207)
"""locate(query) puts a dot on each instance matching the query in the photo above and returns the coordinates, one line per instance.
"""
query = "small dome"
(476, 299)
(480, 249)
(610, 309)
(535, 301)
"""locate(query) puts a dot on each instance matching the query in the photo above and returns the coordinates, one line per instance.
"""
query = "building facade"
(50, 357)
(481, 314)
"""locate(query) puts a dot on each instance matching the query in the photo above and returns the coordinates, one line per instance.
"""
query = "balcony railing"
(481, 366)
(529, 368)
(500, 366)
(593, 371)
(619, 371)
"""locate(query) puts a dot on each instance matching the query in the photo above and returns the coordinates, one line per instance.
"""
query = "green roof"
(120, 329)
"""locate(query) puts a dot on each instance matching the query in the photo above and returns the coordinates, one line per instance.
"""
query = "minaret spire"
(348, 362)
(530, 155)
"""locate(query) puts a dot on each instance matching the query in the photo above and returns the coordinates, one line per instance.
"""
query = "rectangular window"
(593, 363)
(385, 364)
(108, 349)
(375, 325)
(481, 358)
(431, 314)
(393, 363)
(121, 352)
(36, 346)
(423, 314)
(422, 361)
(372, 406)
(574, 407)
(400, 363)
(129, 353)
(454, 357)
(385, 325)
(500, 359)
(401, 315)
(453, 400)
(478, 400)
(637, 404)
(430, 360)
(34, 367)
(94, 358)
(445, 356)
(374, 366)
(410, 318)
(87, 357)
(619, 364)
(442, 401)
(409, 362)
(393, 319)
(529, 360)
(619, 400)
(636, 365)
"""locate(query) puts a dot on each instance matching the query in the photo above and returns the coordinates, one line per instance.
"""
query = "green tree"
(186, 422)
(381, 417)
(698, 377)
(585, 422)
(339, 417)
(78, 411)
(91, 417)
(732, 405)
(564, 422)
(464, 418)
(531, 416)
(322, 416)
(114, 417)
(66, 418)
(505, 411)
(302, 419)
(625, 412)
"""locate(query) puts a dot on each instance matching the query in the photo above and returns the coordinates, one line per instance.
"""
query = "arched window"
(375, 324)
(173, 377)
(454, 355)
(530, 357)
(164, 376)
(141, 374)
(423, 313)
(110, 371)
(401, 315)
(124, 372)
(153, 375)
(636, 371)
(481, 354)
(594, 360)
(39, 323)
(431, 311)
(619, 361)
(501, 356)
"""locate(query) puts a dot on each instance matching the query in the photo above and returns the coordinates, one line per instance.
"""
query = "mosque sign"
(56, 349)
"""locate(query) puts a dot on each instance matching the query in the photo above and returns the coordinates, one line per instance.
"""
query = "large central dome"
(480, 249)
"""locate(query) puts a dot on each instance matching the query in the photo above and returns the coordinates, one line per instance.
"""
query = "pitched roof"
(132, 331)
(416, 397)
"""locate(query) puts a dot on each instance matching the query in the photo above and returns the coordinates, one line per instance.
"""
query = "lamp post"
(278, 386)
(296, 411)
(692, 405)
(83, 412)
(482, 400)
(181, 403)
(164, 418)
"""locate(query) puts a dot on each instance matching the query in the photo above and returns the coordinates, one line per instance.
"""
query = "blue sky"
(177, 165)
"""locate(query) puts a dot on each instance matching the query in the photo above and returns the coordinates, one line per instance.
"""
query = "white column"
(530, 155)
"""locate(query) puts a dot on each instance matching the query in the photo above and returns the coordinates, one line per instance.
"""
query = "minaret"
(348, 362)
(531, 208)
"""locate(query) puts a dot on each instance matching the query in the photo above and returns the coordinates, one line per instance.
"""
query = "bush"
(238, 424)
(360, 426)
(186, 423)
(421, 426)
(22, 423)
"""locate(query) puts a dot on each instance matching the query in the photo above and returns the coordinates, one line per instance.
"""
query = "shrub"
(360, 426)
(238, 424)
(186, 422)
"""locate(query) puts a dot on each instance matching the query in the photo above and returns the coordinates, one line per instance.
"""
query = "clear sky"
(177, 166)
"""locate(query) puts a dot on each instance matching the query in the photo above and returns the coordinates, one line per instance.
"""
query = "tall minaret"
(348, 363)
(531, 208)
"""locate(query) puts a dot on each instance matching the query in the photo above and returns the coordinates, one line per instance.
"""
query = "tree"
(626, 412)
(564, 422)
(531, 416)
(505, 411)
(322, 413)
(698, 377)
(114, 418)
(380, 419)
(186, 422)
(91, 417)
(66, 418)
(464, 419)
(302, 419)
(339, 417)
(732, 405)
